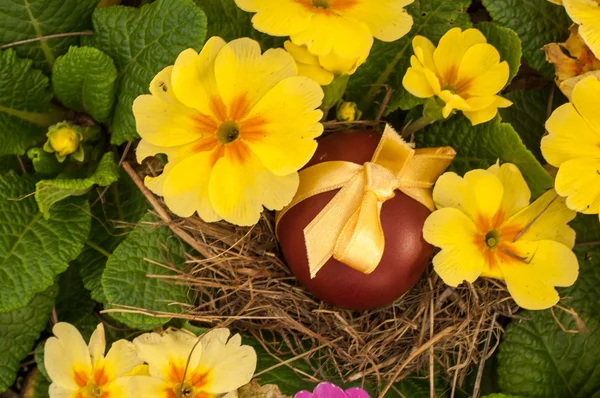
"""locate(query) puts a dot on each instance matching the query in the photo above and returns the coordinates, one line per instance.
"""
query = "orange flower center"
(91, 387)
(327, 7)
(322, 3)
(492, 239)
(189, 385)
(228, 132)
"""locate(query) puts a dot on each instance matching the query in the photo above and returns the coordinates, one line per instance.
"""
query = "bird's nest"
(245, 284)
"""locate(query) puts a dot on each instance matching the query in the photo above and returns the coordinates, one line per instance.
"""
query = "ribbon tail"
(361, 243)
(322, 233)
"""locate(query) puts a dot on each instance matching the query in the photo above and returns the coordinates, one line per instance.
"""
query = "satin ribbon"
(349, 227)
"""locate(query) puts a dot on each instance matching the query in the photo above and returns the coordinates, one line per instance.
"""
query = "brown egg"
(406, 254)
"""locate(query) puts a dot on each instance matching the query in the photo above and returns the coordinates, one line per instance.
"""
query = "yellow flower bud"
(348, 112)
(63, 139)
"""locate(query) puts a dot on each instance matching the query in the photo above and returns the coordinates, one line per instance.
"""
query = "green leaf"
(482, 145)
(507, 43)
(44, 163)
(388, 62)
(288, 381)
(584, 295)
(38, 355)
(36, 385)
(49, 192)
(30, 19)
(114, 215)
(73, 303)
(25, 110)
(538, 359)
(84, 79)
(528, 115)
(537, 22)
(588, 229)
(34, 250)
(126, 282)
(8, 163)
(19, 329)
(502, 396)
(142, 42)
(228, 21)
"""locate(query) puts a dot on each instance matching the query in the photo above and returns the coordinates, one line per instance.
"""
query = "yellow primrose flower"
(344, 27)
(573, 145)
(557, 2)
(78, 370)
(485, 226)
(217, 365)
(236, 126)
(323, 68)
(464, 71)
(64, 140)
(586, 13)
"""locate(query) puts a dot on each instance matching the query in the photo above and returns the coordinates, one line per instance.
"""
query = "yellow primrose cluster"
(463, 71)
(168, 365)
(486, 226)
(236, 126)
(330, 37)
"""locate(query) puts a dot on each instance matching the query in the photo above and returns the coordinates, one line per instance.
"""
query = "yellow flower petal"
(244, 76)
(586, 13)
(240, 186)
(551, 216)
(451, 49)
(161, 119)
(387, 19)
(55, 391)
(585, 99)
(186, 193)
(481, 73)
(548, 264)
(478, 194)
(301, 53)
(423, 49)
(342, 65)
(486, 114)
(457, 264)
(570, 137)
(284, 141)
(231, 365)
(120, 388)
(579, 181)
(193, 76)
(64, 354)
(316, 73)
(284, 19)
(415, 82)
(121, 359)
(327, 33)
(516, 193)
(144, 386)
(161, 351)
(97, 344)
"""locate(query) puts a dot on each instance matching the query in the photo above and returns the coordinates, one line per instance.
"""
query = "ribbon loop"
(349, 227)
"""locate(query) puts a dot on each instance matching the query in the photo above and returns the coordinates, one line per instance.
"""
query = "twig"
(54, 36)
(162, 213)
(385, 102)
(187, 364)
(21, 164)
(486, 347)
(415, 354)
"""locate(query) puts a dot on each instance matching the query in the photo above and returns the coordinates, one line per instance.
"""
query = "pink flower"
(329, 390)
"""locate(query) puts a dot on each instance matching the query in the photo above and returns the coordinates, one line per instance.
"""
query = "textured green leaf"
(588, 229)
(528, 115)
(125, 279)
(537, 22)
(34, 250)
(538, 359)
(507, 43)
(73, 303)
(84, 79)
(142, 42)
(19, 329)
(36, 385)
(25, 110)
(584, 295)
(30, 19)
(502, 396)
(44, 163)
(8, 163)
(114, 215)
(38, 355)
(482, 145)
(388, 62)
(227, 20)
(49, 192)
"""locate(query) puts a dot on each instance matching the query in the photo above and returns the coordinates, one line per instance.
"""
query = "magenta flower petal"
(356, 393)
(328, 390)
(304, 394)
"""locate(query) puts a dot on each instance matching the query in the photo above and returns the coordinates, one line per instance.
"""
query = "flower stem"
(432, 112)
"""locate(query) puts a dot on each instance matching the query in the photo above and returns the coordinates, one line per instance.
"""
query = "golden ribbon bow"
(349, 227)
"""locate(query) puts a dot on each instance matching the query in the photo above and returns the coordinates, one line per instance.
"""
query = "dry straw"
(241, 282)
